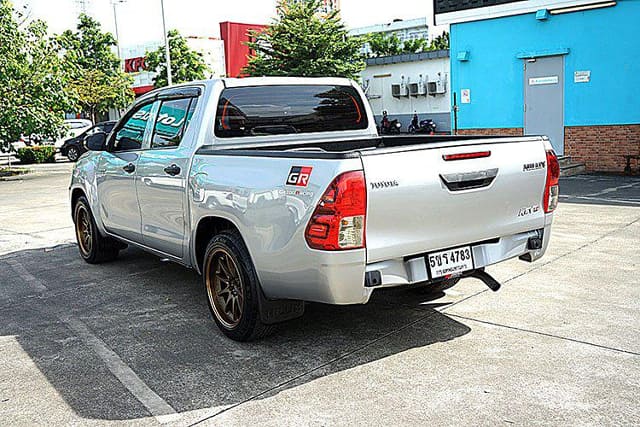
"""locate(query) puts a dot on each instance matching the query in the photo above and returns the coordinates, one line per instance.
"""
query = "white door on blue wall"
(544, 99)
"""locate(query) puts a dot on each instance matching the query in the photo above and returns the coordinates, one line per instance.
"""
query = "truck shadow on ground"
(154, 316)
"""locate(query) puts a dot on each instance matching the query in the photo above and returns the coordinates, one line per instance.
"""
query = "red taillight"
(338, 222)
(551, 188)
(465, 156)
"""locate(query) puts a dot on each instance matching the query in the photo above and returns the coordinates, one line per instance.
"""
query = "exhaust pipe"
(482, 275)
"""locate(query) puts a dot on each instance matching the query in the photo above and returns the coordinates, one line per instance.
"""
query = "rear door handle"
(469, 180)
(172, 170)
(130, 168)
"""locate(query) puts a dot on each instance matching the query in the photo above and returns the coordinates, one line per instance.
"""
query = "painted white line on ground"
(602, 199)
(613, 189)
(32, 281)
(156, 405)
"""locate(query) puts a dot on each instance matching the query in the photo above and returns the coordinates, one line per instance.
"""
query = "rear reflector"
(338, 222)
(465, 156)
(551, 188)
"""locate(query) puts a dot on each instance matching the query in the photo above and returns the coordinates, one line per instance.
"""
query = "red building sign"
(236, 51)
(134, 65)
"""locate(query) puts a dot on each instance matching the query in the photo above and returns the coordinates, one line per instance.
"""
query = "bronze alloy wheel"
(84, 230)
(225, 288)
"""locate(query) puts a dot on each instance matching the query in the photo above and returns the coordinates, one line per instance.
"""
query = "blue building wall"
(605, 41)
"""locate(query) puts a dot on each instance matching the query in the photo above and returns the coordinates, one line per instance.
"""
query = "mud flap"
(276, 311)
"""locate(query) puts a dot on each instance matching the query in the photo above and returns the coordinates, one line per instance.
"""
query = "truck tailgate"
(419, 202)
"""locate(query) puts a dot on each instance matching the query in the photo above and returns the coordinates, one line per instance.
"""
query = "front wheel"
(232, 288)
(94, 247)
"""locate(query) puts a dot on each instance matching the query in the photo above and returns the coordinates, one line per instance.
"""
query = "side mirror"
(97, 141)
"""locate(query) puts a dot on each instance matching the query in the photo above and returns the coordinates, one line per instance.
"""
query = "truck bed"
(411, 207)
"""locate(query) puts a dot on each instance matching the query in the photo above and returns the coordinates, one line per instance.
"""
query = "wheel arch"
(208, 227)
(76, 193)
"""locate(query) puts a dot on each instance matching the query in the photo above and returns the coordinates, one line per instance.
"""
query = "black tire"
(73, 154)
(94, 248)
(238, 316)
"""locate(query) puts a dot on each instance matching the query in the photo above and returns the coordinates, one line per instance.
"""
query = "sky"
(140, 21)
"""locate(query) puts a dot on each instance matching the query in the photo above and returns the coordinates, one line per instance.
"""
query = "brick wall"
(492, 131)
(601, 147)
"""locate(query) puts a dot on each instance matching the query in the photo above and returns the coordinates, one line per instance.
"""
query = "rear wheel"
(232, 288)
(73, 154)
(94, 247)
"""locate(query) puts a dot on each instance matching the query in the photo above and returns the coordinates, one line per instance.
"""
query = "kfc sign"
(134, 65)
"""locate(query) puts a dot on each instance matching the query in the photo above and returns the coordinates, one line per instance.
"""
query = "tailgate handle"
(469, 180)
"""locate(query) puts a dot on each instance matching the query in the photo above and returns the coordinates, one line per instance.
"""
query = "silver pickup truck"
(280, 191)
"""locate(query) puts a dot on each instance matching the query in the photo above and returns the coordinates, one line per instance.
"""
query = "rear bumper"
(406, 271)
(342, 277)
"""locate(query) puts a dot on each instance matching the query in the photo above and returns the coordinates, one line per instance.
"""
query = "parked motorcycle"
(427, 126)
(389, 126)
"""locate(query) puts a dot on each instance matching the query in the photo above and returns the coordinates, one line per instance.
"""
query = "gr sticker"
(299, 175)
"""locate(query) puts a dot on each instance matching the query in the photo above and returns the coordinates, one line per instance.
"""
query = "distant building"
(212, 51)
(134, 65)
(567, 69)
(406, 84)
(236, 52)
(410, 29)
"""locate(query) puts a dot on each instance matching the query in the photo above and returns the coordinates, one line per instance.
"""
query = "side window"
(131, 133)
(172, 121)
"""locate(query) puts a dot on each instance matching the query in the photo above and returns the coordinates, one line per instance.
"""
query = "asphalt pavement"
(132, 341)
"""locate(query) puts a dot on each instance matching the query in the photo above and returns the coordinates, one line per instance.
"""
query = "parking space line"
(32, 281)
(601, 199)
(156, 405)
(613, 189)
(531, 331)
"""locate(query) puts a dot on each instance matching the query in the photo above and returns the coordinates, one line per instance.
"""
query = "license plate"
(450, 262)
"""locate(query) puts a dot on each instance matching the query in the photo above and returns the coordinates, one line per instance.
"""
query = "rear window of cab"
(288, 109)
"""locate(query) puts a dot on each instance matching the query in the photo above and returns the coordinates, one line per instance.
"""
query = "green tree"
(96, 82)
(440, 42)
(384, 45)
(89, 48)
(32, 81)
(186, 64)
(415, 46)
(387, 45)
(96, 91)
(301, 43)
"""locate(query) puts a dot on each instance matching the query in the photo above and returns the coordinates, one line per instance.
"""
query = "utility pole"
(115, 21)
(166, 45)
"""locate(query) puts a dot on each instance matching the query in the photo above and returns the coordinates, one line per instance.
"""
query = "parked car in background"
(78, 126)
(73, 128)
(74, 147)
